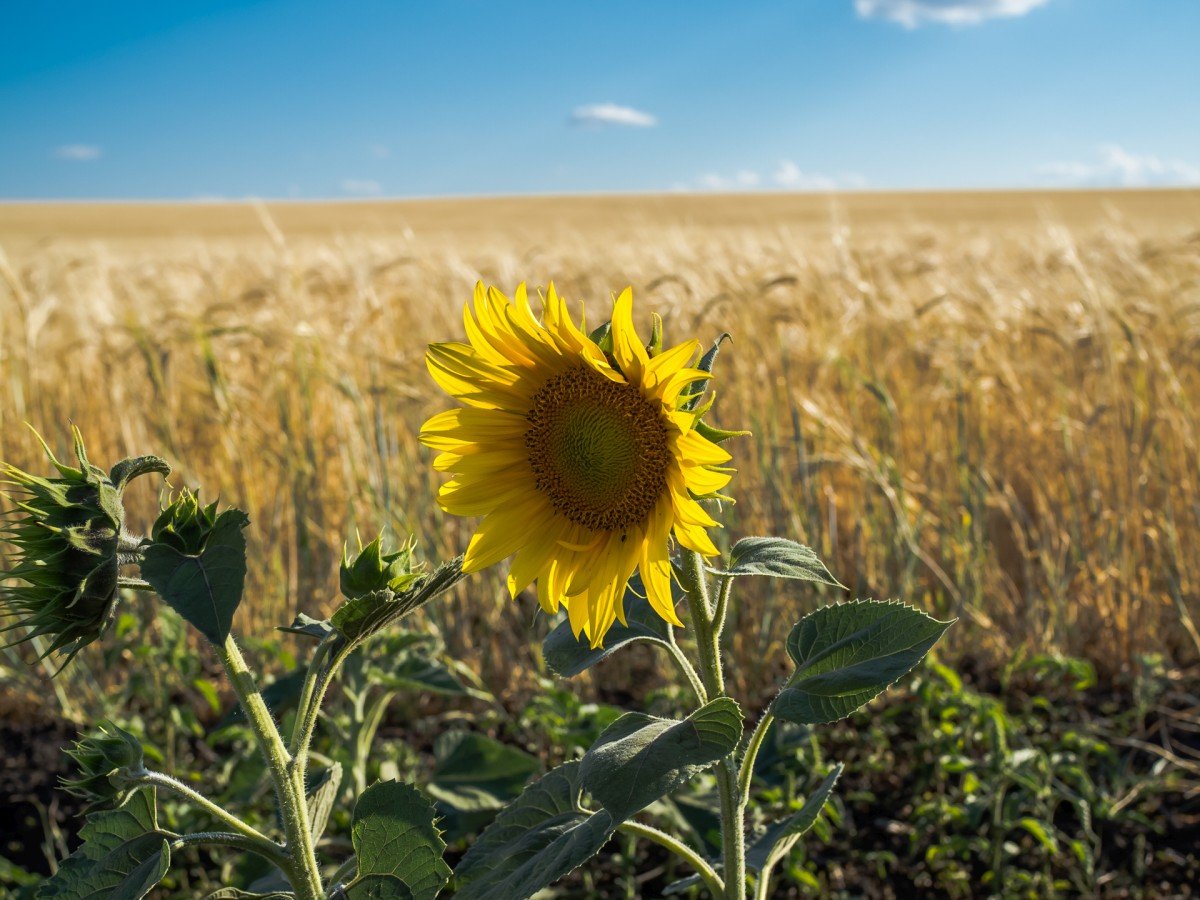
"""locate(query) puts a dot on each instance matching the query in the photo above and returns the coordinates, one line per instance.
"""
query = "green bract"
(70, 540)
(375, 569)
(108, 762)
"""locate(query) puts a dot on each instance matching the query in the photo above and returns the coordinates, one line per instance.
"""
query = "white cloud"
(600, 114)
(791, 177)
(787, 176)
(78, 152)
(379, 151)
(363, 187)
(913, 13)
(1117, 167)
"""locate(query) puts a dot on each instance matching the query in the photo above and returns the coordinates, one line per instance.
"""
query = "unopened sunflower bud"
(374, 569)
(68, 532)
(184, 524)
(109, 762)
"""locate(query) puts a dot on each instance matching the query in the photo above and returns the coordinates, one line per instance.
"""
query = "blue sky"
(462, 97)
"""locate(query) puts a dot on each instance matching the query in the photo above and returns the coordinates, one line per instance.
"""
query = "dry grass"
(987, 405)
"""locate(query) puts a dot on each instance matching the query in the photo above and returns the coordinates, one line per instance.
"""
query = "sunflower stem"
(708, 646)
(706, 872)
(685, 667)
(305, 875)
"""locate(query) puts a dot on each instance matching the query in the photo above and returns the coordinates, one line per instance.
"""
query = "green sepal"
(714, 434)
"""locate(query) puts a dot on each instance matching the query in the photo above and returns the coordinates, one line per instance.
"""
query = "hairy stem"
(708, 645)
(706, 872)
(686, 669)
(289, 783)
(177, 787)
(269, 851)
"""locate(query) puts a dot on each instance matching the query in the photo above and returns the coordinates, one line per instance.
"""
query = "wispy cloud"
(361, 187)
(787, 176)
(598, 115)
(913, 13)
(1118, 167)
(379, 151)
(78, 152)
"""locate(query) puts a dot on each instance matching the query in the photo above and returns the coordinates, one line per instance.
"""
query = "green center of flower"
(598, 449)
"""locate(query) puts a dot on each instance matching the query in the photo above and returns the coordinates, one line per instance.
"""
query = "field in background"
(983, 403)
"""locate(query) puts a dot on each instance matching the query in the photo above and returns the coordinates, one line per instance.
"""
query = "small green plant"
(76, 557)
(593, 464)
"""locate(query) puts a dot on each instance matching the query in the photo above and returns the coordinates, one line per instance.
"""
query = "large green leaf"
(539, 838)
(123, 856)
(475, 772)
(379, 887)
(205, 588)
(779, 837)
(568, 656)
(394, 833)
(848, 653)
(777, 558)
(358, 619)
(640, 758)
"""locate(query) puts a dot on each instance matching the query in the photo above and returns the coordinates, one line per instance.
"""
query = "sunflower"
(582, 462)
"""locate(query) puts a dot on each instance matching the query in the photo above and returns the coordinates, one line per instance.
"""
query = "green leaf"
(567, 656)
(417, 672)
(848, 653)
(394, 833)
(206, 588)
(322, 795)
(307, 626)
(123, 856)
(777, 558)
(538, 839)
(232, 893)
(775, 839)
(358, 619)
(379, 887)
(640, 758)
(475, 772)
(1043, 832)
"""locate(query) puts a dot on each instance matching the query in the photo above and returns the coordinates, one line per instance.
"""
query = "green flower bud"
(375, 569)
(184, 524)
(109, 762)
(70, 541)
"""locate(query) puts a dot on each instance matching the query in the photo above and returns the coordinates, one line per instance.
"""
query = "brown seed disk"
(599, 450)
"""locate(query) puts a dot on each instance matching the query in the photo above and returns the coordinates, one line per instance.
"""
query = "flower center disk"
(598, 449)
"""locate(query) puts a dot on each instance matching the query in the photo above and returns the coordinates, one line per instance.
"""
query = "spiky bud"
(185, 524)
(374, 568)
(68, 532)
(109, 762)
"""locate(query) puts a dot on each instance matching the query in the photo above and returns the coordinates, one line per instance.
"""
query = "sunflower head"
(375, 568)
(67, 531)
(581, 452)
(108, 762)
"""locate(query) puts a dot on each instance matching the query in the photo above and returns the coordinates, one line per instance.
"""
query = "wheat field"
(983, 403)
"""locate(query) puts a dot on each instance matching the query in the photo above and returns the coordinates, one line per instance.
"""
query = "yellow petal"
(628, 349)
